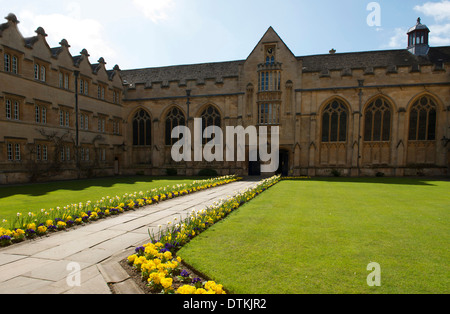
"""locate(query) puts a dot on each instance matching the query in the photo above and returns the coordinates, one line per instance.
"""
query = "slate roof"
(314, 63)
(373, 59)
(199, 72)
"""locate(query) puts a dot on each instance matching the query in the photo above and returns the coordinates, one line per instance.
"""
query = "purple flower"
(184, 273)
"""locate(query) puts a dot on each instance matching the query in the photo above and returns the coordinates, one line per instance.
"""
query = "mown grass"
(34, 197)
(318, 236)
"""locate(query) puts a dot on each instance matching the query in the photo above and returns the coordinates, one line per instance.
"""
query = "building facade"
(358, 114)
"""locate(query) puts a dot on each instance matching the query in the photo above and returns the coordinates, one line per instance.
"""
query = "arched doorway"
(283, 167)
(254, 168)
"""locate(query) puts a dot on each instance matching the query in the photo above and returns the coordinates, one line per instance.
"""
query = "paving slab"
(92, 256)
(121, 242)
(22, 285)
(75, 246)
(53, 271)
(95, 285)
(62, 286)
(18, 268)
(8, 258)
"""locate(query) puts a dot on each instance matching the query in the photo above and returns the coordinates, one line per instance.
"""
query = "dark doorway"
(254, 168)
(116, 166)
(283, 167)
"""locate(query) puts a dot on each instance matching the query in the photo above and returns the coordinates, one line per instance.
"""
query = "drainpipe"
(77, 157)
(358, 162)
(188, 101)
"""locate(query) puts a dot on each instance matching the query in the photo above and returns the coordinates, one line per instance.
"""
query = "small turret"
(418, 36)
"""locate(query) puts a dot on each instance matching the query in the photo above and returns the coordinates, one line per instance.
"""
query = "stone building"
(41, 88)
(363, 113)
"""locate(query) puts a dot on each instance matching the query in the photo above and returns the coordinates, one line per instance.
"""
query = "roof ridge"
(185, 65)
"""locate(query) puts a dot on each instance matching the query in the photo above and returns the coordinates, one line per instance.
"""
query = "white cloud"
(79, 32)
(398, 40)
(440, 11)
(155, 10)
(440, 35)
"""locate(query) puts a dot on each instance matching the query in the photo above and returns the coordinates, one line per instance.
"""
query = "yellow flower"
(31, 226)
(219, 289)
(210, 285)
(167, 255)
(148, 266)
(186, 289)
(4, 231)
(156, 278)
(49, 223)
(166, 283)
(131, 258)
(140, 260)
(200, 291)
(41, 229)
(19, 232)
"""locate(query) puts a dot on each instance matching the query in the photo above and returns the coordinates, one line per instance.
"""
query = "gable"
(270, 52)
(272, 42)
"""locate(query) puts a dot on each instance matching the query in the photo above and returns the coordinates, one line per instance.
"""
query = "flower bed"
(56, 219)
(157, 261)
(295, 178)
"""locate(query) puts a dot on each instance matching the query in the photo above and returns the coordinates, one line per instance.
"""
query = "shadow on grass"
(423, 181)
(38, 189)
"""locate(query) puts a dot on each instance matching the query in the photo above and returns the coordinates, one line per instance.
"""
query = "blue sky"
(151, 33)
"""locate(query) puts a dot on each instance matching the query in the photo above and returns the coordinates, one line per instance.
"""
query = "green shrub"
(208, 173)
(171, 172)
(336, 172)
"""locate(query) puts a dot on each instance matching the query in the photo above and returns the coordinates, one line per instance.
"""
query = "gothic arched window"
(334, 122)
(422, 120)
(174, 118)
(142, 129)
(377, 121)
(210, 117)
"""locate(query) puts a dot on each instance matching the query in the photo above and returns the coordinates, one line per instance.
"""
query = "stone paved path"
(43, 266)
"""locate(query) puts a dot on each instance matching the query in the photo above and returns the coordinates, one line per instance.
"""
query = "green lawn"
(33, 197)
(318, 236)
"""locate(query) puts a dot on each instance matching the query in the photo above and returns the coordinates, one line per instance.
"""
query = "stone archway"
(283, 167)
